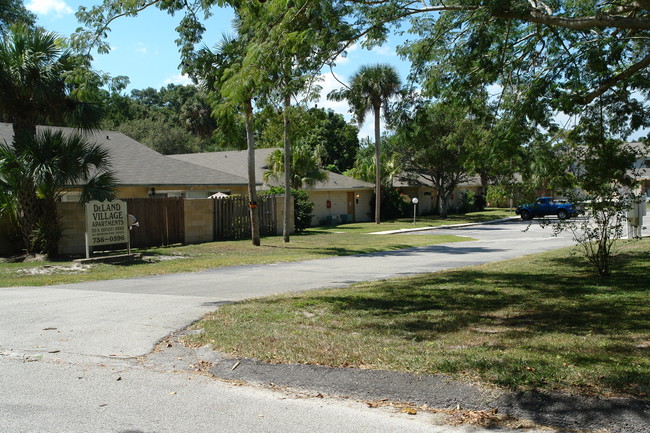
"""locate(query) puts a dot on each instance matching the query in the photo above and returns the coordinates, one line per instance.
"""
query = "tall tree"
(292, 54)
(371, 89)
(196, 116)
(160, 136)
(41, 81)
(233, 89)
(334, 140)
(435, 145)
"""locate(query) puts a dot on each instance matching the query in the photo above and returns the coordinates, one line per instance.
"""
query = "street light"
(415, 205)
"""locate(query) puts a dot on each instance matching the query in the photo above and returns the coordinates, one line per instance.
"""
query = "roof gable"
(236, 162)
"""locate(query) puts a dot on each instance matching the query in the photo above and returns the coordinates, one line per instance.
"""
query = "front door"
(351, 206)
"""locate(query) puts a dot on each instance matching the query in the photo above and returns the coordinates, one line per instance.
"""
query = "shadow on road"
(455, 249)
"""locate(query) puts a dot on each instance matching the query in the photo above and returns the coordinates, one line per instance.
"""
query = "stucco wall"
(428, 197)
(339, 205)
(199, 220)
(279, 215)
(72, 224)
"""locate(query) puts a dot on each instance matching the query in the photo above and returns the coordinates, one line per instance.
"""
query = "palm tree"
(50, 165)
(365, 167)
(34, 89)
(33, 86)
(230, 90)
(305, 167)
(370, 89)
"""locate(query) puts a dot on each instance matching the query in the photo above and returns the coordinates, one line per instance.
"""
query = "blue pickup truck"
(547, 206)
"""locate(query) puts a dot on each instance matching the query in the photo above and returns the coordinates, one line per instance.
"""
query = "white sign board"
(107, 222)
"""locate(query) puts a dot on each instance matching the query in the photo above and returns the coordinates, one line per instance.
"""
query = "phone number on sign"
(102, 239)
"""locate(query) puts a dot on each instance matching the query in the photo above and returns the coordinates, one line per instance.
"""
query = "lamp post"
(415, 205)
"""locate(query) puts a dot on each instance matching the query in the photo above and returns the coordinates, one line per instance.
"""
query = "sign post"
(107, 223)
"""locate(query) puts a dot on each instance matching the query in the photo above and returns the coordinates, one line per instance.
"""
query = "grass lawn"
(542, 321)
(316, 243)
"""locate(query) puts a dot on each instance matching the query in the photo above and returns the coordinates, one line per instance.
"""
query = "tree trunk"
(484, 186)
(50, 224)
(377, 166)
(27, 214)
(287, 170)
(24, 130)
(443, 205)
(252, 193)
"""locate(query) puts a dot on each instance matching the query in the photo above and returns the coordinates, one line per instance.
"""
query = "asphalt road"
(71, 356)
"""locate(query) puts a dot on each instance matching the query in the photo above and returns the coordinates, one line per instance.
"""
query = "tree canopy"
(436, 145)
(13, 11)
(541, 57)
(42, 81)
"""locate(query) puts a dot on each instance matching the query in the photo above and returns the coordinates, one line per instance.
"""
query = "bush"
(467, 202)
(302, 207)
(392, 205)
(500, 195)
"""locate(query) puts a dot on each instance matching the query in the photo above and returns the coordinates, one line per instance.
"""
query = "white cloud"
(47, 7)
(180, 79)
(140, 48)
(383, 50)
(331, 82)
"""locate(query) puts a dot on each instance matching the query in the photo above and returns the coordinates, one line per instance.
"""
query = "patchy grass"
(191, 258)
(541, 321)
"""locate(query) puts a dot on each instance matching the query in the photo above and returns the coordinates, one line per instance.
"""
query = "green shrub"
(302, 207)
(392, 204)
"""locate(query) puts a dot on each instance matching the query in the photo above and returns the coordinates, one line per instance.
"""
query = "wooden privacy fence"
(232, 217)
(161, 221)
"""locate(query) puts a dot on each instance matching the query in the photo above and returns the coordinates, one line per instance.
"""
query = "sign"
(107, 222)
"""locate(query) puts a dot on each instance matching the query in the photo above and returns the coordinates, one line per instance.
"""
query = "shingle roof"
(236, 162)
(135, 164)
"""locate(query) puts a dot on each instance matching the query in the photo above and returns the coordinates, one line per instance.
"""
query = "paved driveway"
(67, 352)
(125, 318)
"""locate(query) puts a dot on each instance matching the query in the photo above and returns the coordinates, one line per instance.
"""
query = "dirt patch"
(156, 259)
(75, 268)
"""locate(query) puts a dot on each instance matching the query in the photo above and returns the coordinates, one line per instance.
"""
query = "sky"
(143, 49)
